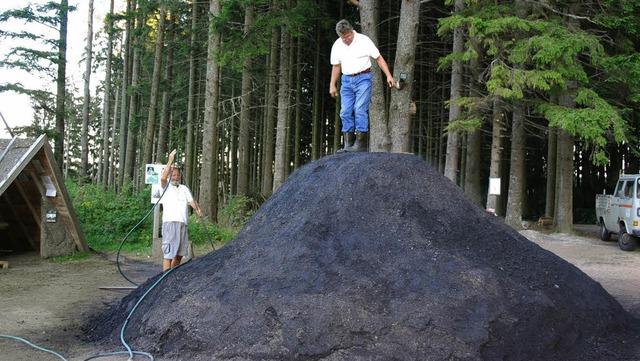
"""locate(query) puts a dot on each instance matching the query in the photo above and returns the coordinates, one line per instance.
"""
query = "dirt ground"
(47, 303)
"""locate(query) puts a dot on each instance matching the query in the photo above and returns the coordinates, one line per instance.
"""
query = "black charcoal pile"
(374, 256)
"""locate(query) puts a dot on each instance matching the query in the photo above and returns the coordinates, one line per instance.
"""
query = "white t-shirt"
(175, 204)
(356, 57)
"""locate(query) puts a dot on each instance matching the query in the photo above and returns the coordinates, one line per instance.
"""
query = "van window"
(619, 189)
(628, 189)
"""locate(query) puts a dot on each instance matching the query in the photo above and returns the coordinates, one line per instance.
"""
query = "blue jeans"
(355, 97)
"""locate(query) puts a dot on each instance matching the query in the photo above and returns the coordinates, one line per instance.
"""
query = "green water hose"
(131, 231)
(33, 345)
(126, 323)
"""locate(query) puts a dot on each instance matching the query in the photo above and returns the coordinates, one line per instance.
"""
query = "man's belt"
(367, 70)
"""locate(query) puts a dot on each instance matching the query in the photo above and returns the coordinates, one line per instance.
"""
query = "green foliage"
(240, 43)
(469, 120)
(533, 58)
(107, 217)
(237, 211)
(41, 17)
(594, 120)
(40, 55)
(559, 49)
(45, 14)
(464, 125)
(202, 232)
(622, 15)
(511, 83)
(624, 69)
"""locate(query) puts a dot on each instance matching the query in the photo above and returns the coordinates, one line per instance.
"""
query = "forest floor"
(48, 303)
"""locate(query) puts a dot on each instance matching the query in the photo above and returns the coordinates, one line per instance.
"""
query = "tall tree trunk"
(105, 146)
(451, 167)
(284, 101)
(230, 166)
(473, 156)
(515, 197)
(209, 170)
(124, 97)
(400, 107)
(133, 124)
(440, 132)
(111, 160)
(495, 167)
(165, 115)
(192, 103)
(552, 154)
(155, 87)
(317, 100)
(269, 141)
(61, 84)
(290, 98)
(516, 194)
(298, 104)
(563, 219)
(472, 167)
(379, 137)
(244, 149)
(84, 136)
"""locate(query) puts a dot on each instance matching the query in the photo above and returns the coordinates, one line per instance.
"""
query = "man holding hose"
(175, 202)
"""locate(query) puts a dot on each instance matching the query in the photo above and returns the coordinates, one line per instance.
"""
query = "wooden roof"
(27, 173)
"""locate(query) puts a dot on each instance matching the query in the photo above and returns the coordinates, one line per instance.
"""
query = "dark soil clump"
(375, 256)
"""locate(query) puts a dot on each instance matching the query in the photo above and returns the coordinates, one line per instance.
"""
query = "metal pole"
(7, 126)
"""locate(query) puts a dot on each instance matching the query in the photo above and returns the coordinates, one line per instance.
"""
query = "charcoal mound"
(374, 256)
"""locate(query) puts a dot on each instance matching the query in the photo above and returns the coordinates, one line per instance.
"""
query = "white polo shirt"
(356, 57)
(175, 204)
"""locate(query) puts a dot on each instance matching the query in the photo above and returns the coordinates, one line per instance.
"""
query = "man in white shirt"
(351, 56)
(175, 202)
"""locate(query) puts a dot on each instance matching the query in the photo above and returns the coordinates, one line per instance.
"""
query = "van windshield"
(628, 189)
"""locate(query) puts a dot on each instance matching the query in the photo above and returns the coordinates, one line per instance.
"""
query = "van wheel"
(626, 241)
(605, 235)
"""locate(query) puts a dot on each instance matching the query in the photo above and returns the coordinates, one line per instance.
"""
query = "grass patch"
(73, 257)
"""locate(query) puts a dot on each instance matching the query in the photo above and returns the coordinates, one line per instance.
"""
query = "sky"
(15, 108)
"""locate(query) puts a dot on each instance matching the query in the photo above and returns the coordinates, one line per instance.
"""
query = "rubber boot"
(349, 138)
(361, 143)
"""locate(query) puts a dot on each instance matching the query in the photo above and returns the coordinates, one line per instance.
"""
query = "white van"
(619, 213)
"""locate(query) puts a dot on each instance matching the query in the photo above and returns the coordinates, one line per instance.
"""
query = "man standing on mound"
(351, 55)
(175, 202)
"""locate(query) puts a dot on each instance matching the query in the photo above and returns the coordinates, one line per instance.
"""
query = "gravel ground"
(616, 270)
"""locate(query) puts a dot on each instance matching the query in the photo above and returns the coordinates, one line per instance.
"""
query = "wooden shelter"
(35, 209)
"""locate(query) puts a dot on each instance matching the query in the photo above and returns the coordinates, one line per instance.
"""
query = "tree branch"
(548, 7)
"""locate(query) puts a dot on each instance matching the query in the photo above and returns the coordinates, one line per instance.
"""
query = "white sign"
(48, 184)
(156, 193)
(152, 173)
(494, 186)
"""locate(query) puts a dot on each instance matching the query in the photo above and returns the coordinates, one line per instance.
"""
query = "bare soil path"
(47, 303)
(616, 270)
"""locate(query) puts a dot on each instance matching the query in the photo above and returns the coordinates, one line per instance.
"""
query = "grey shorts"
(175, 240)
